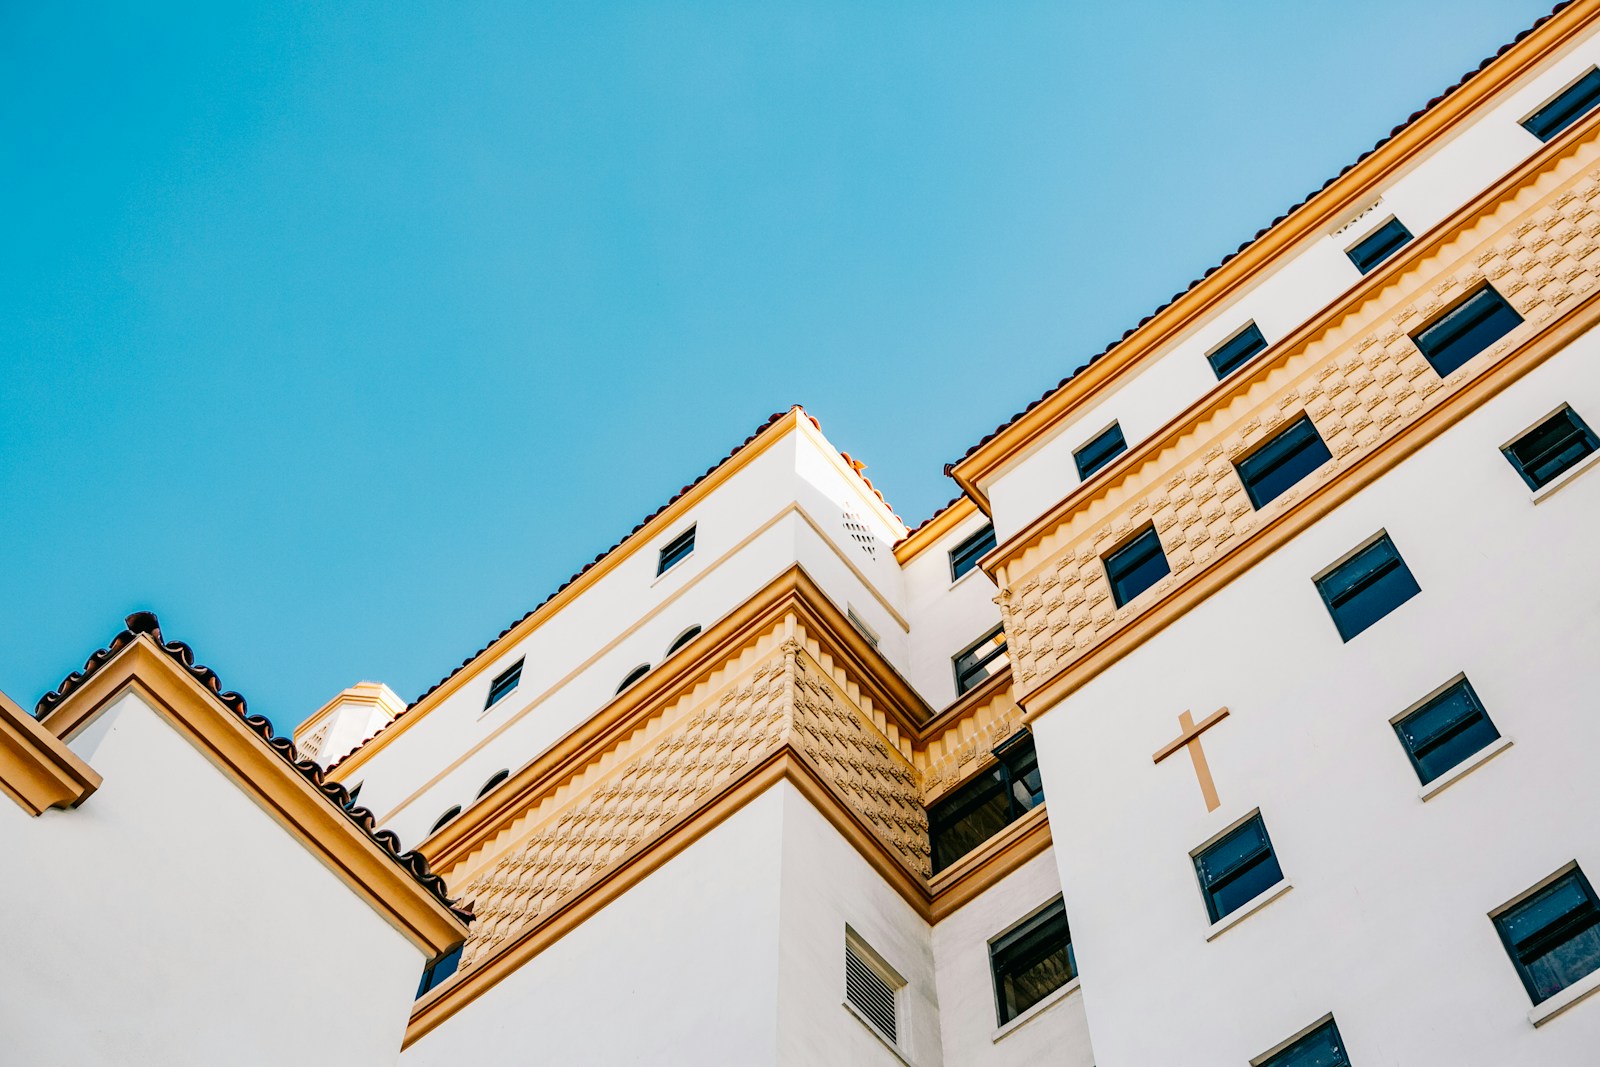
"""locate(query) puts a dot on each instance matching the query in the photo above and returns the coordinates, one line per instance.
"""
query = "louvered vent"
(860, 533)
(866, 990)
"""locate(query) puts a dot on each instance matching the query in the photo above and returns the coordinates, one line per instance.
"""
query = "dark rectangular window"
(1366, 587)
(1106, 447)
(1136, 566)
(504, 683)
(440, 969)
(1466, 329)
(1275, 466)
(981, 808)
(1236, 351)
(676, 550)
(1446, 730)
(966, 555)
(1322, 1047)
(1553, 936)
(1378, 245)
(1031, 962)
(979, 661)
(1551, 448)
(1237, 868)
(1564, 110)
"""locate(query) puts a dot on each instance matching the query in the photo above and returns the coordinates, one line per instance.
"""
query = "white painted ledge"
(1244, 911)
(899, 1052)
(1546, 1010)
(1464, 768)
(1566, 478)
(1044, 1005)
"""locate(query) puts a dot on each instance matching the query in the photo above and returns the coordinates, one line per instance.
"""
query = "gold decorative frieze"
(959, 744)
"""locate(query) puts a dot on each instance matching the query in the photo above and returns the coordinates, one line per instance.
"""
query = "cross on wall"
(1189, 737)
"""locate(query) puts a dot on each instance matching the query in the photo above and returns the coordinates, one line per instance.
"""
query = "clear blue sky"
(341, 334)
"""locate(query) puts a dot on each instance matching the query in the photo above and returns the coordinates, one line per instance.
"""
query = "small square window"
(1236, 351)
(1574, 102)
(981, 660)
(503, 684)
(675, 551)
(1553, 935)
(1445, 730)
(1366, 587)
(1551, 448)
(1321, 1047)
(1466, 329)
(439, 969)
(1236, 868)
(1031, 962)
(1106, 446)
(1378, 245)
(871, 987)
(966, 555)
(1272, 468)
(1136, 566)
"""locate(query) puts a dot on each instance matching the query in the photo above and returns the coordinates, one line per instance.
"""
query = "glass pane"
(1551, 448)
(1567, 962)
(962, 822)
(965, 556)
(1378, 246)
(986, 658)
(1282, 462)
(1472, 326)
(1237, 351)
(1102, 450)
(1565, 109)
(1245, 885)
(1032, 962)
(1446, 731)
(1367, 587)
(1136, 567)
(1548, 909)
(1322, 1047)
(1232, 851)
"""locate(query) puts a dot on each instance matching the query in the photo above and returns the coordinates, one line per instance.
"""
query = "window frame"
(985, 541)
(1423, 336)
(1439, 696)
(1390, 224)
(1584, 432)
(496, 694)
(1258, 451)
(1003, 649)
(683, 639)
(1017, 933)
(1127, 545)
(1274, 1057)
(676, 550)
(1099, 462)
(1592, 75)
(493, 780)
(1210, 886)
(1015, 759)
(1502, 917)
(633, 678)
(448, 963)
(1224, 362)
(451, 814)
(1366, 580)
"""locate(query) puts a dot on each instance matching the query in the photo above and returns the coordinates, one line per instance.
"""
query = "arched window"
(446, 817)
(494, 779)
(683, 639)
(634, 675)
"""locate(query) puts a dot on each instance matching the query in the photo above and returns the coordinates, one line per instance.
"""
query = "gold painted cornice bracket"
(279, 789)
(37, 769)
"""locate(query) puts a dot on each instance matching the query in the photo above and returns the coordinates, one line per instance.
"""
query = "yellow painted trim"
(37, 769)
(280, 790)
(934, 530)
(1325, 209)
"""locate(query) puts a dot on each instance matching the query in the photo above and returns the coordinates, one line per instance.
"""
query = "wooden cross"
(1190, 739)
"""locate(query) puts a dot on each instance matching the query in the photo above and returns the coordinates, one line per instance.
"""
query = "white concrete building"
(1236, 713)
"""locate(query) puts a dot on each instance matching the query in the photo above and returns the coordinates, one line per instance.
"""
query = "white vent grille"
(309, 748)
(860, 533)
(867, 991)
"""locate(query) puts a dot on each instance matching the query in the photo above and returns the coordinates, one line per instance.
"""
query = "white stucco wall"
(1386, 925)
(946, 615)
(169, 921)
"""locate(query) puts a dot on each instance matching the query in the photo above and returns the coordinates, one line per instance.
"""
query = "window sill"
(1546, 1010)
(1566, 477)
(1244, 911)
(1464, 768)
(1055, 997)
(964, 577)
(676, 568)
(864, 1021)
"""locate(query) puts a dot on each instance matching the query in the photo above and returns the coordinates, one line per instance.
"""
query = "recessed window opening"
(1369, 584)
(1570, 105)
(983, 659)
(1378, 245)
(871, 987)
(1551, 448)
(675, 551)
(494, 779)
(1475, 323)
(1031, 961)
(1236, 351)
(1277, 465)
(445, 818)
(634, 675)
(974, 812)
(1106, 446)
(1136, 566)
(1236, 868)
(861, 626)
(439, 969)
(1321, 1046)
(683, 639)
(1553, 934)
(1445, 729)
(504, 683)
(965, 556)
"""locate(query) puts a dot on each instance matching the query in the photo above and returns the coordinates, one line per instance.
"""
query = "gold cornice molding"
(1318, 214)
(37, 769)
(294, 803)
(930, 532)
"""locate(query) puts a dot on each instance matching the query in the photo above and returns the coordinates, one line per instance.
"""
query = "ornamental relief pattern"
(957, 753)
(1360, 379)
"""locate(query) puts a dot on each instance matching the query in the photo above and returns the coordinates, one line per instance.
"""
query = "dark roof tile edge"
(1391, 135)
(145, 622)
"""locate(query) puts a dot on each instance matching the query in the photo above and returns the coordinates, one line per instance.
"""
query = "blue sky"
(339, 335)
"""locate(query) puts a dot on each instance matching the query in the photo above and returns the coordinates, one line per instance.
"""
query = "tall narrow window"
(1031, 962)
(1136, 566)
(1237, 867)
(872, 988)
(1445, 730)
(966, 555)
(1551, 448)
(994, 799)
(1466, 329)
(1106, 446)
(1378, 245)
(675, 551)
(504, 683)
(1236, 351)
(1320, 1047)
(980, 660)
(1571, 105)
(1295, 452)
(1553, 935)
(439, 969)
(1366, 587)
